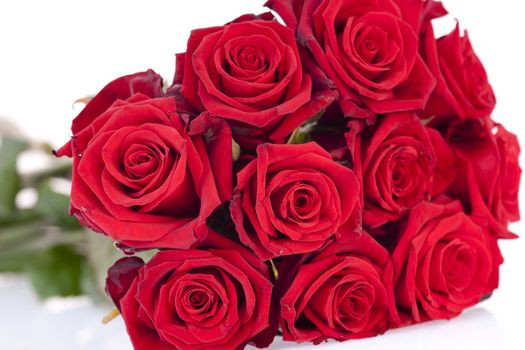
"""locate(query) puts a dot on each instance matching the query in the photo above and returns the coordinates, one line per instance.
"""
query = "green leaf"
(54, 207)
(15, 262)
(298, 136)
(22, 243)
(16, 246)
(9, 178)
(57, 272)
(302, 133)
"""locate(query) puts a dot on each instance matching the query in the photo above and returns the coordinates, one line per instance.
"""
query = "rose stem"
(110, 316)
(274, 269)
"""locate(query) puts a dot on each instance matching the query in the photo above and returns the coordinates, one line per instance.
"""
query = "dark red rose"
(463, 90)
(293, 199)
(147, 83)
(443, 263)
(120, 277)
(142, 179)
(366, 48)
(250, 72)
(489, 173)
(400, 166)
(344, 292)
(199, 299)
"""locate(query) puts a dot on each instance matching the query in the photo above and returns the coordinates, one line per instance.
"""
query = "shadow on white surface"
(477, 328)
(57, 324)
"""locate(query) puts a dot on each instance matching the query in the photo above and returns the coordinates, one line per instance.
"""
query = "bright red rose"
(443, 263)
(136, 161)
(293, 199)
(489, 173)
(218, 298)
(344, 292)
(147, 83)
(251, 73)
(400, 166)
(366, 48)
(463, 90)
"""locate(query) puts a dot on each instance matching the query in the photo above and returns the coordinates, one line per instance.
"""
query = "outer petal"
(147, 83)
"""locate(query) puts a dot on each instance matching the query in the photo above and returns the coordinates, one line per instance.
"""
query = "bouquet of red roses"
(332, 177)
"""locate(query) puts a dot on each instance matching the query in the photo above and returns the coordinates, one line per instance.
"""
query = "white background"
(54, 52)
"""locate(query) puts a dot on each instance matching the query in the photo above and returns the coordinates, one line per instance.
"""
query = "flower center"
(197, 299)
(302, 202)
(251, 58)
(140, 161)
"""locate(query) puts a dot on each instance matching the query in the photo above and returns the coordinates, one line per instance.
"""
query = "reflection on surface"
(476, 328)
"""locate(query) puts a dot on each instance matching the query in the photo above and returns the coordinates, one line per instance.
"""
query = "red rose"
(507, 210)
(292, 199)
(366, 48)
(463, 90)
(147, 83)
(489, 174)
(250, 73)
(399, 166)
(443, 263)
(218, 298)
(137, 161)
(344, 292)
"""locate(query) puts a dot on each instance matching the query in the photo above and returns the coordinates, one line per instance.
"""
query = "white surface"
(53, 52)
(58, 324)
(74, 323)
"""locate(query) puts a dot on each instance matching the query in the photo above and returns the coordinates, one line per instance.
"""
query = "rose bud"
(121, 276)
(251, 73)
(463, 90)
(293, 199)
(199, 299)
(144, 178)
(489, 173)
(344, 292)
(443, 263)
(366, 49)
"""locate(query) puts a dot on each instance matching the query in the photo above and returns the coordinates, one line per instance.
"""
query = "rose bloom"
(293, 199)
(344, 292)
(489, 172)
(366, 49)
(402, 163)
(216, 298)
(251, 73)
(134, 162)
(444, 262)
(463, 90)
